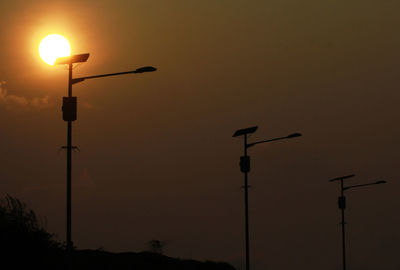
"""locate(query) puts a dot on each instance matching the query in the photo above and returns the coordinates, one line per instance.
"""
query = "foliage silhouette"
(156, 246)
(23, 241)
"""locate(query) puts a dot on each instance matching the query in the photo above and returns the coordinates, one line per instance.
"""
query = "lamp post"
(69, 109)
(342, 206)
(245, 168)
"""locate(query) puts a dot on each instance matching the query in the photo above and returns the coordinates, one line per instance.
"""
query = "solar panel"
(342, 177)
(244, 131)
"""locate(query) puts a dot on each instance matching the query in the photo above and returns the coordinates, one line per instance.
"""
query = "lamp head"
(145, 69)
(294, 135)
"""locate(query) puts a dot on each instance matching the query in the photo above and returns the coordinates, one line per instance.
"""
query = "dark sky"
(157, 157)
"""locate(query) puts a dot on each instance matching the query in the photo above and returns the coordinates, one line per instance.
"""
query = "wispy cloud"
(87, 105)
(85, 180)
(13, 102)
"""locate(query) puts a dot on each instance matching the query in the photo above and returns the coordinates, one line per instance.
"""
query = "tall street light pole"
(342, 206)
(69, 109)
(245, 168)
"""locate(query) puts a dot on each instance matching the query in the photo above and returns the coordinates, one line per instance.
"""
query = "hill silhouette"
(85, 259)
(25, 244)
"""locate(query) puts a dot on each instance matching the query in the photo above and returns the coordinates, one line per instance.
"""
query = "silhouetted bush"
(23, 241)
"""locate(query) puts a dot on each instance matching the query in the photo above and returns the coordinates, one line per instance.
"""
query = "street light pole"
(245, 169)
(69, 109)
(69, 165)
(342, 207)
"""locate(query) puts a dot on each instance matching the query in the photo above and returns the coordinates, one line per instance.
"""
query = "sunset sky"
(157, 159)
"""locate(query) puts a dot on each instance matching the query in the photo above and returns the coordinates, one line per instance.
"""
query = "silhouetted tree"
(156, 246)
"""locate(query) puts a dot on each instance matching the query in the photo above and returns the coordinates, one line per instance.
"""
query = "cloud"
(13, 102)
(87, 105)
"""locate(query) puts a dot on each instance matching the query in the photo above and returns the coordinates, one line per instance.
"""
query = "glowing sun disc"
(53, 46)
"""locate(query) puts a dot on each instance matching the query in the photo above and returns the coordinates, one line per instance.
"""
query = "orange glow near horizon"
(52, 47)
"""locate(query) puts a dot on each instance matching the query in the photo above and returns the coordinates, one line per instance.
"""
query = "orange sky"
(157, 159)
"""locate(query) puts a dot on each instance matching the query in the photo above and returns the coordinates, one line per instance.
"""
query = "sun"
(53, 46)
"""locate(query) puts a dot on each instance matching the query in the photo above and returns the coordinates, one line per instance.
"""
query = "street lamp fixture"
(69, 109)
(245, 168)
(342, 206)
(363, 185)
(290, 136)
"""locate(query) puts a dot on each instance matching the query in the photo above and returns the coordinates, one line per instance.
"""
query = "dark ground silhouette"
(25, 244)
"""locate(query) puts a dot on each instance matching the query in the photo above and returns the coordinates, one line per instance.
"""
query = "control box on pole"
(244, 164)
(342, 202)
(69, 108)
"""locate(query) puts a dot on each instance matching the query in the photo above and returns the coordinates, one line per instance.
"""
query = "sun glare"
(53, 46)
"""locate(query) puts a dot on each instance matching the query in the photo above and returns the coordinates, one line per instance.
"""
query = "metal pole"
(69, 169)
(343, 223)
(246, 206)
